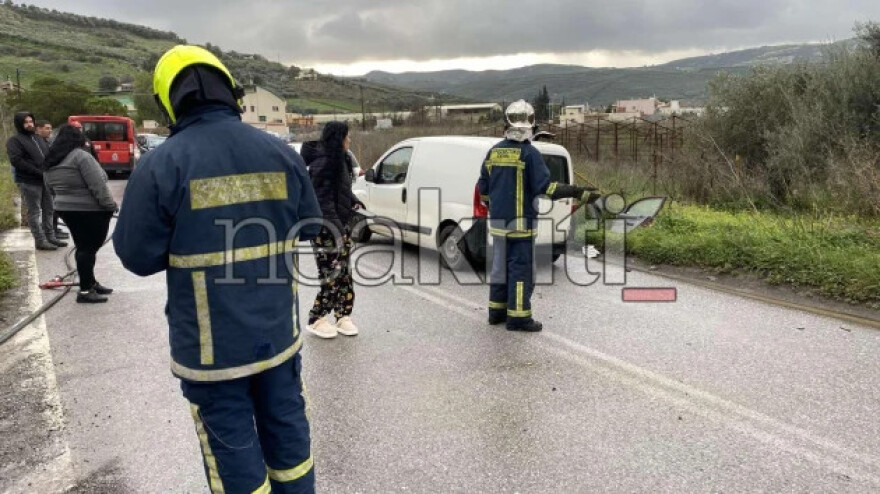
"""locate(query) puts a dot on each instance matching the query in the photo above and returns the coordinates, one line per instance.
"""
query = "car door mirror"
(639, 213)
(370, 176)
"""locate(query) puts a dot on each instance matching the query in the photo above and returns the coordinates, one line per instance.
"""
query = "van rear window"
(558, 166)
(105, 131)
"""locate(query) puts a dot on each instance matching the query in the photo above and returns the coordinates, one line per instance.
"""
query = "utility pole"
(363, 110)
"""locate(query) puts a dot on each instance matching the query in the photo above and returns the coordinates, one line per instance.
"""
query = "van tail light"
(480, 209)
(130, 148)
(362, 172)
(574, 207)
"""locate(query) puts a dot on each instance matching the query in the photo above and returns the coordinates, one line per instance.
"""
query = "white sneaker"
(322, 328)
(346, 326)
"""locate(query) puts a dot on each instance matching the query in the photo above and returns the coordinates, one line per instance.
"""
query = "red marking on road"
(649, 294)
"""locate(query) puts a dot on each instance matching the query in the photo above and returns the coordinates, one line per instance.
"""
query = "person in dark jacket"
(44, 130)
(219, 206)
(27, 151)
(84, 202)
(331, 175)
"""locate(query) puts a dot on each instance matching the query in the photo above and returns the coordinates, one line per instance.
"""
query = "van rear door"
(558, 211)
(112, 142)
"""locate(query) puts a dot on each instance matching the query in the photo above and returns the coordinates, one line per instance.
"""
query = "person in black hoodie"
(331, 177)
(27, 151)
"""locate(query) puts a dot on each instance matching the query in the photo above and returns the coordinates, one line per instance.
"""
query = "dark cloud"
(344, 31)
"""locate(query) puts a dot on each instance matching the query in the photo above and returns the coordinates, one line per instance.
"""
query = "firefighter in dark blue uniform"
(513, 176)
(232, 297)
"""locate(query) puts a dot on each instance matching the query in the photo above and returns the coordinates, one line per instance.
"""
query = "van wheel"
(450, 254)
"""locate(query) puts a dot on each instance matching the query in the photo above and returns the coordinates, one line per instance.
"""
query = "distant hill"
(684, 79)
(41, 42)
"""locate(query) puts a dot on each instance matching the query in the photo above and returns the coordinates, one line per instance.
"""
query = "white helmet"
(520, 117)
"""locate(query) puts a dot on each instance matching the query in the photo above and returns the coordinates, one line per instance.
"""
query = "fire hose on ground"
(63, 281)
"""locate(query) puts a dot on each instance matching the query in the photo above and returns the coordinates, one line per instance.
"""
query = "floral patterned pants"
(334, 270)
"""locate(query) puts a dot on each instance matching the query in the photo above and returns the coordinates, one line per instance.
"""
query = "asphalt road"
(712, 393)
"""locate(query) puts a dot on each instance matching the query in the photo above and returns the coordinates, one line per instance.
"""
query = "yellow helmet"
(172, 64)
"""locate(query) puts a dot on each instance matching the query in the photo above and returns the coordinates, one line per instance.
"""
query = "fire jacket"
(217, 206)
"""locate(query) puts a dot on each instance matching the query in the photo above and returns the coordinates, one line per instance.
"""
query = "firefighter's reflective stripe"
(210, 461)
(497, 305)
(220, 258)
(292, 474)
(484, 198)
(519, 296)
(235, 372)
(519, 313)
(266, 488)
(501, 232)
(552, 188)
(520, 221)
(294, 309)
(203, 314)
(228, 190)
(505, 155)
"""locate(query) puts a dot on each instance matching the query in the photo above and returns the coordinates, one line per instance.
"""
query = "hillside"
(681, 79)
(41, 42)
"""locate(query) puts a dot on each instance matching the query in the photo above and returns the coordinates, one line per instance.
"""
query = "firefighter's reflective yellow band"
(216, 192)
(505, 155)
(520, 221)
(235, 372)
(211, 259)
(495, 164)
(552, 188)
(519, 296)
(292, 474)
(484, 198)
(210, 461)
(203, 314)
(497, 305)
(266, 488)
(519, 313)
(500, 232)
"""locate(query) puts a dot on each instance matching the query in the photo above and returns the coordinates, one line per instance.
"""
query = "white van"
(451, 164)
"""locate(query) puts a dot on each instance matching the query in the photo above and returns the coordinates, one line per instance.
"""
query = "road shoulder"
(34, 456)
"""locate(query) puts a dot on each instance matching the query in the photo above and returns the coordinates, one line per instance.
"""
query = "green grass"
(323, 105)
(838, 256)
(8, 190)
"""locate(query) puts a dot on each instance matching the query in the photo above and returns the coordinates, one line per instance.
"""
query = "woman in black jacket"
(331, 177)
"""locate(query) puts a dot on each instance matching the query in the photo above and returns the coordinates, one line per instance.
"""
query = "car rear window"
(105, 131)
(558, 166)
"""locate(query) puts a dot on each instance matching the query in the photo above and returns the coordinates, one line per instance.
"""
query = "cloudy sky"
(351, 37)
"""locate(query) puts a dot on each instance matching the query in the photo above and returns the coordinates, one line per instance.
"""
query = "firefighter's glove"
(565, 191)
(589, 197)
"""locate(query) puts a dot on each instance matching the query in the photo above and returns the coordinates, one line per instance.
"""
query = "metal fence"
(601, 139)
(650, 143)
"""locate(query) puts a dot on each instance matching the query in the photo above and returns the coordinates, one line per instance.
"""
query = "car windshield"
(153, 141)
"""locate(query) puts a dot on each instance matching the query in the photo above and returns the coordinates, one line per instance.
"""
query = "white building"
(573, 115)
(264, 110)
(644, 106)
(674, 108)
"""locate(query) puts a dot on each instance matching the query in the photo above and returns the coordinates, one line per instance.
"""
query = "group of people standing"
(63, 179)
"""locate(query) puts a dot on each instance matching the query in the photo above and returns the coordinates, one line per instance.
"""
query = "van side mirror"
(370, 176)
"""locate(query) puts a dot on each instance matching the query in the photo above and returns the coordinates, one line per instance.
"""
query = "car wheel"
(450, 254)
